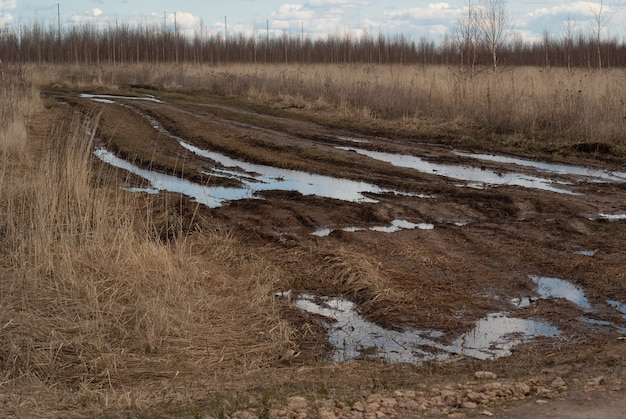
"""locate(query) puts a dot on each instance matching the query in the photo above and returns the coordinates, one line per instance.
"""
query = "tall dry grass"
(93, 306)
(526, 103)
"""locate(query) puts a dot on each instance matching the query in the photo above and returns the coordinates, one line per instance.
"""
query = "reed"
(527, 106)
(94, 307)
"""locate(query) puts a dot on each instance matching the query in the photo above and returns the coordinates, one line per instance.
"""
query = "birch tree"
(495, 26)
(466, 33)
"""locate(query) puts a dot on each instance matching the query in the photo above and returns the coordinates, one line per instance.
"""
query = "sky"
(314, 18)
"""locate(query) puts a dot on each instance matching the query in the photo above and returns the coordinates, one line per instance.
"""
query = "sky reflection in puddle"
(264, 178)
(354, 337)
(272, 179)
(112, 98)
(396, 225)
(560, 169)
(621, 307)
(474, 176)
(559, 288)
(608, 217)
(209, 196)
(589, 253)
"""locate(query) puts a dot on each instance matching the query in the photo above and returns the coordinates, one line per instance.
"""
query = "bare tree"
(568, 41)
(466, 33)
(495, 26)
(601, 18)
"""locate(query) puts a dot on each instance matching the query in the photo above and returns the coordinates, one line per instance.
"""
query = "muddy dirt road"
(404, 248)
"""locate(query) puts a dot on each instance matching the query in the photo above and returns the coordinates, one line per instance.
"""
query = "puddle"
(559, 288)
(589, 253)
(608, 217)
(597, 175)
(474, 176)
(209, 196)
(354, 337)
(521, 302)
(396, 225)
(112, 98)
(621, 307)
(258, 177)
(498, 334)
(596, 322)
(214, 196)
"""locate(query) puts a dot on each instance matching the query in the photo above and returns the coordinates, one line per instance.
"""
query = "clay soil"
(484, 245)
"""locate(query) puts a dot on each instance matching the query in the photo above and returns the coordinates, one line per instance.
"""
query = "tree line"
(482, 38)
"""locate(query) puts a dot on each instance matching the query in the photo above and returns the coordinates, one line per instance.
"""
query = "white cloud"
(432, 11)
(6, 18)
(183, 20)
(581, 8)
(96, 12)
(8, 4)
(293, 12)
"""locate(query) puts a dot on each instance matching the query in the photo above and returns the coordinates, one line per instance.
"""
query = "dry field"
(118, 303)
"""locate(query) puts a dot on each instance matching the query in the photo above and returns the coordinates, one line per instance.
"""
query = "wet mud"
(401, 249)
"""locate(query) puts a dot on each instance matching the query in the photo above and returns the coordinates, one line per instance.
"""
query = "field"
(166, 251)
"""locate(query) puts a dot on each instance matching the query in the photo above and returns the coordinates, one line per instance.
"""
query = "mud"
(465, 238)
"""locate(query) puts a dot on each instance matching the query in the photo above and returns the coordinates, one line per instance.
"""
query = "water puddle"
(215, 196)
(474, 176)
(498, 334)
(621, 307)
(608, 217)
(589, 253)
(258, 177)
(396, 225)
(210, 196)
(549, 288)
(597, 175)
(354, 337)
(113, 98)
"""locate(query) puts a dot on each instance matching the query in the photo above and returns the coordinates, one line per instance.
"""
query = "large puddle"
(354, 337)
(591, 174)
(270, 179)
(258, 177)
(474, 176)
(494, 336)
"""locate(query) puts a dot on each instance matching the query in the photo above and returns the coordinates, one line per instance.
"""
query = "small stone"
(598, 381)
(358, 406)
(542, 401)
(326, 414)
(485, 375)
(297, 403)
(486, 413)
(521, 389)
(559, 383)
(469, 405)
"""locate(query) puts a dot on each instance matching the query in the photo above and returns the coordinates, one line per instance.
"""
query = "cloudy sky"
(411, 18)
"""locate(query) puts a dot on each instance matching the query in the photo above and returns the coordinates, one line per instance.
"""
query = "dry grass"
(527, 104)
(94, 308)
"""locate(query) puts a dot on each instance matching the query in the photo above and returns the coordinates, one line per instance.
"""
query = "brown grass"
(532, 107)
(93, 306)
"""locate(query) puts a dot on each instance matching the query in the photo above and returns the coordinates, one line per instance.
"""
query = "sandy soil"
(479, 254)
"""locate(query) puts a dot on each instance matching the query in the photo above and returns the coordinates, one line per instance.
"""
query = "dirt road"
(465, 253)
